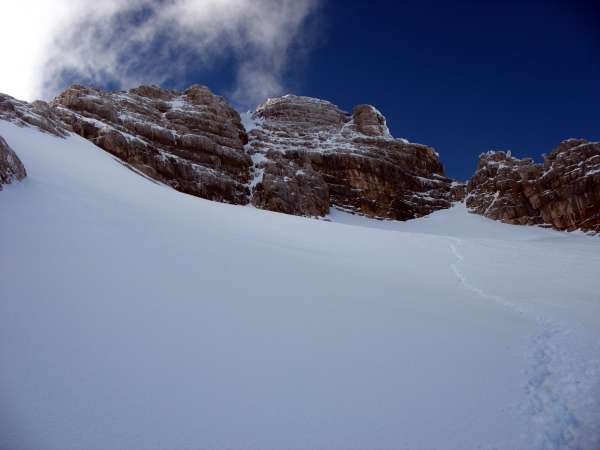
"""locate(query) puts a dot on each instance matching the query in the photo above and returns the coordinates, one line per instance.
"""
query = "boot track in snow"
(550, 384)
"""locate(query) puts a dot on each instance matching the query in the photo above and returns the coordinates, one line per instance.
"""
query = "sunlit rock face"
(568, 191)
(191, 140)
(563, 192)
(496, 190)
(458, 191)
(37, 114)
(302, 156)
(311, 155)
(295, 155)
(369, 121)
(11, 167)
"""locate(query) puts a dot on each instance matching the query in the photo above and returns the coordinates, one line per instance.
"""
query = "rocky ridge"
(300, 155)
(310, 155)
(563, 192)
(11, 167)
(38, 114)
(191, 140)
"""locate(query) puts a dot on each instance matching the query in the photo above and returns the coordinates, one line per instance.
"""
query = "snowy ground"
(136, 317)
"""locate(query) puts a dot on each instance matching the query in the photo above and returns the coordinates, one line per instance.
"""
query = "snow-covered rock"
(458, 190)
(313, 155)
(37, 114)
(352, 159)
(496, 190)
(563, 192)
(11, 167)
(568, 191)
(301, 156)
(191, 140)
(369, 121)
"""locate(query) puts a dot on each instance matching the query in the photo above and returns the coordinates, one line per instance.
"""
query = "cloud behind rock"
(121, 44)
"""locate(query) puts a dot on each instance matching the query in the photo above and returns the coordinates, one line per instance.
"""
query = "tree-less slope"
(134, 316)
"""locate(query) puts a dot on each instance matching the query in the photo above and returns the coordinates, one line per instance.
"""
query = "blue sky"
(463, 77)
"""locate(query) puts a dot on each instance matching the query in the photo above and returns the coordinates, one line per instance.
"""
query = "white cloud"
(142, 41)
(26, 25)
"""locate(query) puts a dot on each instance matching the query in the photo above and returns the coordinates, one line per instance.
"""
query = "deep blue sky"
(465, 77)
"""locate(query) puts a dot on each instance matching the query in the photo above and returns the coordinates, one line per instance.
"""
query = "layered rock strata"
(310, 155)
(191, 140)
(563, 192)
(11, 167)
(38, 114)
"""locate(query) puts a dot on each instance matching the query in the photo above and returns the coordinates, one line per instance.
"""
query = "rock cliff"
(191, 140)
(37, 114)
(310, 155)
(11, 167)
(563, 192)
(302, 156)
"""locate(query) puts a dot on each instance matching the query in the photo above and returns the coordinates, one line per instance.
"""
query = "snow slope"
(136, 317)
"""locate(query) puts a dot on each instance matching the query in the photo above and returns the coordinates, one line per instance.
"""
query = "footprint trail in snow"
(557, 377)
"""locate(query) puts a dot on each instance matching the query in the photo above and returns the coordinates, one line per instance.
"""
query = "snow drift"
(134, 316)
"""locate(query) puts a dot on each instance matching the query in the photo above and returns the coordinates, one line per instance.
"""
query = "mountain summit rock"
(191, 140)
(309, 152)
(299, 156)
(302, 156)
(562, 192)
(11, 167)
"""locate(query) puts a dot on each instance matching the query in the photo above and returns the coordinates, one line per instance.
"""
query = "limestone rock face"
(563, 192)
(458, 191)
(191, 140)
(299, 156)
(11, 167)
(289, 186)
(369, 121)
(309, 152)
(37, 114)
(497, 188)
(567, 193)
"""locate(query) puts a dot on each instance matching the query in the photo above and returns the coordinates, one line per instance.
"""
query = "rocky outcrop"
(369, 121)
(458, 191)
(299, 156)
(497, 188)
(191, 140)
(567, 193)
(563, 192)
(11, 167)
(290, 187)
(303, 156)
(309, 155)
(37, 114)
